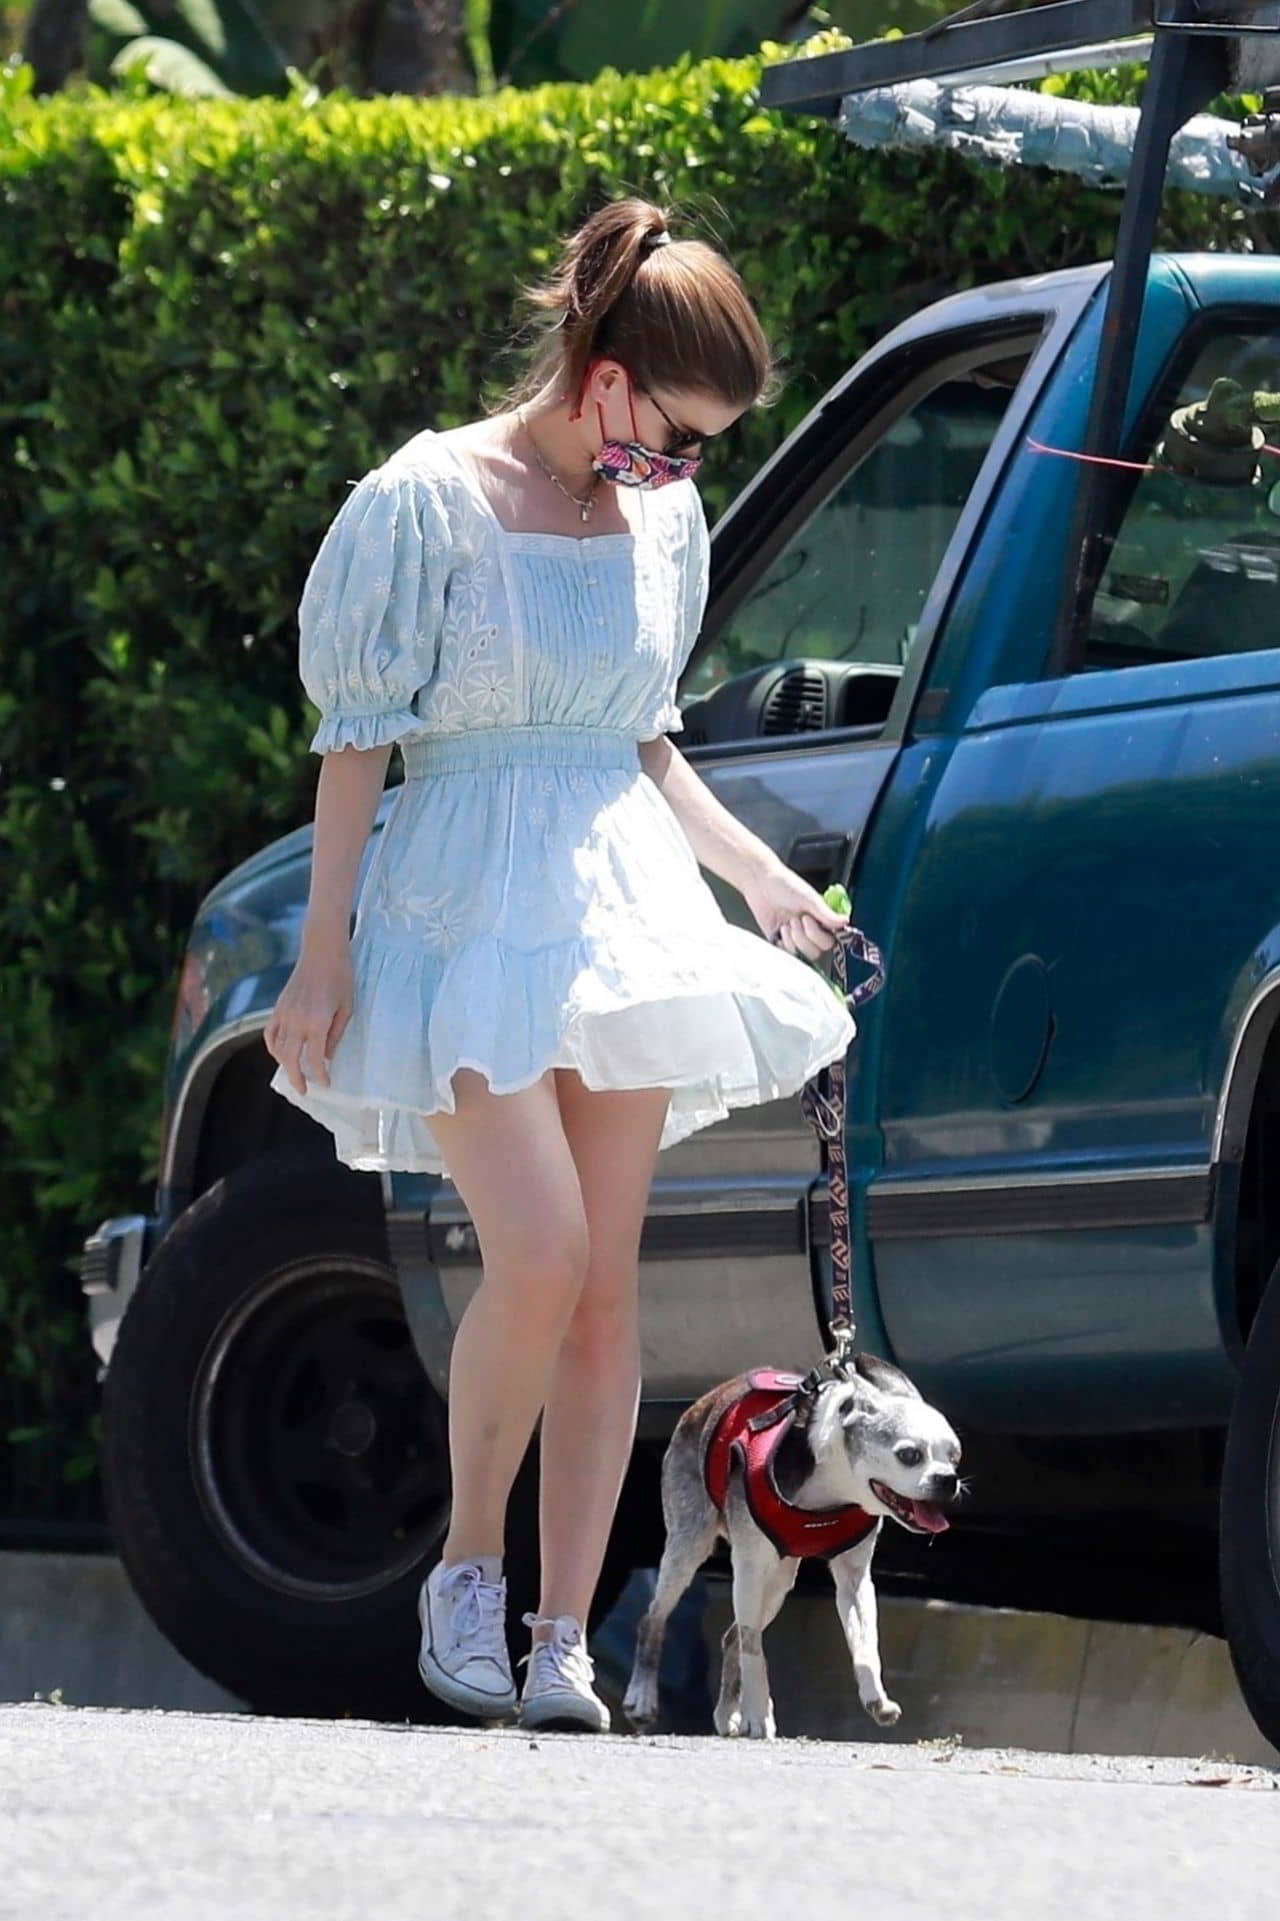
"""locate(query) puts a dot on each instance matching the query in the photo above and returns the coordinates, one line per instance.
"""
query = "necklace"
(584, 506)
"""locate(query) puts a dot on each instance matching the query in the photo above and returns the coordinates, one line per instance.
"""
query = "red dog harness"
(748, 1433)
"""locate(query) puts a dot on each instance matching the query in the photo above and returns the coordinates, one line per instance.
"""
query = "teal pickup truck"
(1028, 707)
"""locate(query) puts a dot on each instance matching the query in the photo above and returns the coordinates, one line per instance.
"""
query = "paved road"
(125, 1816)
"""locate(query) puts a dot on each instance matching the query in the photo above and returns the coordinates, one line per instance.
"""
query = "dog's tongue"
(928, 1514)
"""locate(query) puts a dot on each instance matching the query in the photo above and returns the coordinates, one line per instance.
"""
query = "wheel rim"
(317, 1444)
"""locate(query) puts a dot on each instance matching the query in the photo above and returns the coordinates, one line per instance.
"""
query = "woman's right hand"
(314, 1007)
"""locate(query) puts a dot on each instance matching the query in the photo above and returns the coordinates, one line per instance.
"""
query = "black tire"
(275, 1462)
(1249, 1521)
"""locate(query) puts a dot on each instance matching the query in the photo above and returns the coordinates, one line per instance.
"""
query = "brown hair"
(673, 312)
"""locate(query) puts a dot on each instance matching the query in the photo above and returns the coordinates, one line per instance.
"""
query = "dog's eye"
(909, 1456)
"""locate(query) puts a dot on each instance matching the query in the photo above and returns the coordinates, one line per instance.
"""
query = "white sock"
(490, 1566)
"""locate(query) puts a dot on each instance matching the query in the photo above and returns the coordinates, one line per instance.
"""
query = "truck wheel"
(275, 1461)
(1249, 1532)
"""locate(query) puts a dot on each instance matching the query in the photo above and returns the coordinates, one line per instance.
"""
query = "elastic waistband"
(485, 747)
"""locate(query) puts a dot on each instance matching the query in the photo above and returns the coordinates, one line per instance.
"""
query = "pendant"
(586, 510)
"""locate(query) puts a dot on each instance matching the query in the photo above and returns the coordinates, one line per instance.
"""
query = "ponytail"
(673, 312)
(596, 267)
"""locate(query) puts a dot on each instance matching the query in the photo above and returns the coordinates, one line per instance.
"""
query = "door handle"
(820, 858)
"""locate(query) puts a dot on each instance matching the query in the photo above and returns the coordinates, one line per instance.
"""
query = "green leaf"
(229, 38)
(119, 17)
(175, 69)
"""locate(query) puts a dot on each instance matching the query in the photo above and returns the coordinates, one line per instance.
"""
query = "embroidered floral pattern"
(371, 607)
(358, 682)
(474, 687)
(439, 919)
(406, 618)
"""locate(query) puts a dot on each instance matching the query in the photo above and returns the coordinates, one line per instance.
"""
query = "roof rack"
(960, 50)
(1187, 44)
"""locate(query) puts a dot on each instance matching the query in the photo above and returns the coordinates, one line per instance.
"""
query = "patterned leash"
(823, 1102)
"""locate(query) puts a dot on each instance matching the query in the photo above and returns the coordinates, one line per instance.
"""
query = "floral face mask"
(629, 463)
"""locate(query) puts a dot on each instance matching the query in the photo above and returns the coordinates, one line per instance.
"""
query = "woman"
(541, 992)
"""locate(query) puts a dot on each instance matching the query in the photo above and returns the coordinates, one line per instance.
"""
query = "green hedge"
(214, 315)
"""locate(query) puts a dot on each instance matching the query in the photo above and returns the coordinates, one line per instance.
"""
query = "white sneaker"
(463, 1658)
(558, 1691)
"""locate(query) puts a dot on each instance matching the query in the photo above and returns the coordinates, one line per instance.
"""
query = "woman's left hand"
(791, 913)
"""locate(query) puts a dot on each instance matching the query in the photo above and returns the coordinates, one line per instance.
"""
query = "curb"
(981, 1677)
(993, 1677)
(71, 1625)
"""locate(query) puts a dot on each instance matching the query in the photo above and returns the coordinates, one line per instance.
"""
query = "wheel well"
(243, 1119)
(1257, 1239)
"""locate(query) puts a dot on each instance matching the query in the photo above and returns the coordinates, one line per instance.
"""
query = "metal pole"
(1186, 71)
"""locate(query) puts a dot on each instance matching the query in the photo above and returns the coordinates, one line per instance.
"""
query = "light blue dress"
(532, 900)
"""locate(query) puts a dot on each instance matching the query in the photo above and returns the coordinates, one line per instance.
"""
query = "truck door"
(1089, 906)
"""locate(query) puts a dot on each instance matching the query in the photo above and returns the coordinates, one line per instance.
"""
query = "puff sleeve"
(371, 610)
(691, 606)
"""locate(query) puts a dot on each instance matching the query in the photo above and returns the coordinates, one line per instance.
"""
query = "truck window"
(851, 581)
(1194, 569)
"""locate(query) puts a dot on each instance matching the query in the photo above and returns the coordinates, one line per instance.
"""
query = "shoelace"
(479, 1610)
(562, 1659)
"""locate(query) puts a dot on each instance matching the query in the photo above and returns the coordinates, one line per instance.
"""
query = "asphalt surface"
(111, 1813)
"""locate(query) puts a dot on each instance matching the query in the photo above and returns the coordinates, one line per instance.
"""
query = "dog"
(785, 1468)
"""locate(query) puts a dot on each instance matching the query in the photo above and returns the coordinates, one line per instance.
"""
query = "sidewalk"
(212, 1817)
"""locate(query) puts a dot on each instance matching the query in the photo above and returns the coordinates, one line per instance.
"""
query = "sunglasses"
(683, 440)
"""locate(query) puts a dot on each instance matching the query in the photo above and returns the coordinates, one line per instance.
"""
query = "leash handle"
(823, 1103)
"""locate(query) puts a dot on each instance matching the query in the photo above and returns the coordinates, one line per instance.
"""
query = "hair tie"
(660, 238)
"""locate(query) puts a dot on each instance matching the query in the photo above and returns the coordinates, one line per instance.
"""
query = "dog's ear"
(852, 1406)
(883, 1374)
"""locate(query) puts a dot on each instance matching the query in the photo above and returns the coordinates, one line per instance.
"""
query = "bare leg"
(509, 1159)
(588, 1424)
